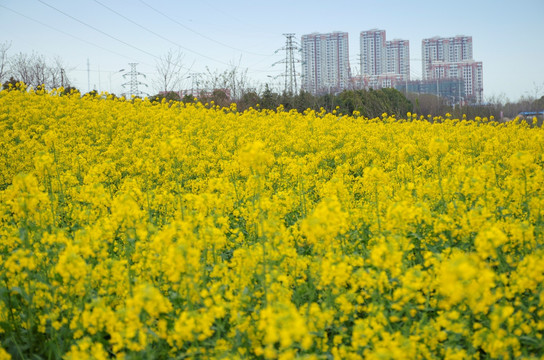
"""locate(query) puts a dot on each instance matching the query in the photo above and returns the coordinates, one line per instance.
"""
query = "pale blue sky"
(508, 37)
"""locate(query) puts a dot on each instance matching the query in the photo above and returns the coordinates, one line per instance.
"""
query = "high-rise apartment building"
(383, 63)
(451, 58)
(470, 71)
(398, 58)
(373, 52)
(452, 49)
(325, 62)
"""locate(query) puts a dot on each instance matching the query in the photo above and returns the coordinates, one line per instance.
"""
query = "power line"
(65, 33)
(159, 35)
(126, 43)
(200, 34)
(98, 30)
(117, 39)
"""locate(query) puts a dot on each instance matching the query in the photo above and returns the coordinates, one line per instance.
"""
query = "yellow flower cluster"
(132, 229)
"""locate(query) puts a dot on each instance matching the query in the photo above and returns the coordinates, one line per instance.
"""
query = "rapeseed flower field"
(139, 230)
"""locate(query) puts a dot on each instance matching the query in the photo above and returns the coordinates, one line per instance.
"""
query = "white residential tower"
(325, 62)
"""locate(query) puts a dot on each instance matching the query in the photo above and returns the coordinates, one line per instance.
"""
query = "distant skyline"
(507, 36)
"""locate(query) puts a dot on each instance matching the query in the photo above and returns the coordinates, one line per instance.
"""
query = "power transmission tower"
(88, 75)
(290, 74)
(134, 82)
(195, 80)
(62, 75)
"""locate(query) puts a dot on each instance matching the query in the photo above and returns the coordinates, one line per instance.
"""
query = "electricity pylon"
(290, 74)
(134, 82)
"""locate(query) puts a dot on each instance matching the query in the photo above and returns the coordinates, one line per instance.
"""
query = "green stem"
(440, 178)
(378, 208)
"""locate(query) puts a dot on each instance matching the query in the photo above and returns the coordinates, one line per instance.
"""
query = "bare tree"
(57, 74)
(537, 89)
(234, 81)
(4, 47)
(35, 70)
(170, 71)
(39, 69)
(213, 80)
(238, 82)
(20, 68)
(31, 69)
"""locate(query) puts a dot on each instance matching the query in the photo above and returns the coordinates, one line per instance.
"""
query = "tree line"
(233, 85)
(32, 69)
(498, 107)
(369, 103)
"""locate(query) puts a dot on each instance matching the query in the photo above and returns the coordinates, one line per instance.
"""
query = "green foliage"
(369, 103)
(269, 100)
(249, 99)
(13, 84)
(168, 96)
(373, 103)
